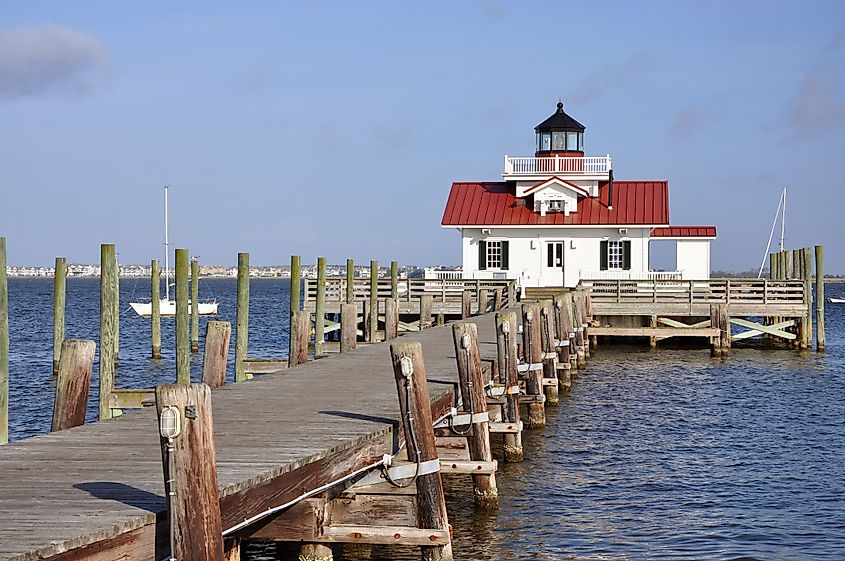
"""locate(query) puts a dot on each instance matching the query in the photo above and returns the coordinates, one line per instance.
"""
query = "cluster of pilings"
(798, 264)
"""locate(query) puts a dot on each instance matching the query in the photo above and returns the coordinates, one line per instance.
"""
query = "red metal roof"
(494, 204)
(684, 232)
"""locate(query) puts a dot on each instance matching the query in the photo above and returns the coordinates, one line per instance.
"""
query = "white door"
(553, 264)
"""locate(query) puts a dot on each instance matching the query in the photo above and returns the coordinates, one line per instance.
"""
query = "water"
(666, 454)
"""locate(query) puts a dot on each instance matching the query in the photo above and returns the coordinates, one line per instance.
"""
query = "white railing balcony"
(631, 275)
(558, 165)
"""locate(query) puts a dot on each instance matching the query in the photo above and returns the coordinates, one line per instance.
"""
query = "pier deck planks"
(276, 436)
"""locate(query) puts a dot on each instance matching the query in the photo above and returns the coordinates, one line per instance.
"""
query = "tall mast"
(783, 218)
(166, 250)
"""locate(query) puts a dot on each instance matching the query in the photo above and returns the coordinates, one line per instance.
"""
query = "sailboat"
(780, 213)
(167, 307)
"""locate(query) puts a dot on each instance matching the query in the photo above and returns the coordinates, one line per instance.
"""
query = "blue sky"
(336, 128)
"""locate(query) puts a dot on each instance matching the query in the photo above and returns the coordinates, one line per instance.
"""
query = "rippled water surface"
(666, 454)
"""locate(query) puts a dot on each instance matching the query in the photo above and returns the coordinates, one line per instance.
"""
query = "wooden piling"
(820, 336)
(320, 309)
(183, 344)
(415, 407)
(242, 317)
(315, 552)
(533, 351)
(719, 319)
(580, 346)
(652, 341)
(372, 308)
(550, 381)
(507, 355)
(474, 399)
(483, 297)
(348, 327)
(195, 305)
(350, 281)
(155, 309)
(441, 319)
(563, 328)
(807, 274)
(425, 311)
(216, 354)
(59, 291)
(107, 335)
(466, 304)
(72, 383)
(497, 299)
(293, 308)
(298, 353)
(394, 279)
(569, 310)
(4, 346)
(190, 473)
(391, 318)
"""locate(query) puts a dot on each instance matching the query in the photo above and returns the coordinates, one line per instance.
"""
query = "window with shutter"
(626, 255)
(482, 255)
(505, 246)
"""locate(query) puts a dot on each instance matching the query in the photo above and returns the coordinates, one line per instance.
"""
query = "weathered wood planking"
(98, 488)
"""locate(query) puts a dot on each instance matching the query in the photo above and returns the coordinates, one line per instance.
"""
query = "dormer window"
(556, 205)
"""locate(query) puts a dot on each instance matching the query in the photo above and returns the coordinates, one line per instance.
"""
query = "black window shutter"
(603, 256)
(626, 255)
(505, 255)
(482, 255)
(550, 260)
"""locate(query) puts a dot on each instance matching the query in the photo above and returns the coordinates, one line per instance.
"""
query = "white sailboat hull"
(168, 308)
(836, 300)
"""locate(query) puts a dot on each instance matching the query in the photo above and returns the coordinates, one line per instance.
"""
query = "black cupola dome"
(560, 133)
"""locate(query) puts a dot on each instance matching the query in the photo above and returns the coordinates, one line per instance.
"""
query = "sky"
(336, 129)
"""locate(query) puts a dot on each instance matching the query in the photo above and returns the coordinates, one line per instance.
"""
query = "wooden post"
(511, 293)
(482, 301)
(508, 359)
(315, 552)
(532, 326)
(72, 383)
(183, 344)
(551, 391)
(652, 340)
(465, 337)
(394, 279)
(569, 309)
(59, 291)
(415, 407)
(425, 311)
(107, 296)
(320, 309)
(242, 317)
(792, 266)
(719, 319)
(372, 309)
(195, 305)
(441, 319)
(580, 350)
(391, 318)
(295, 288)
(807, 274)
(350, 281)
(772, 265)
(820, 337)
(298, 353)
(4, 346)
(563, 328)
(216, 355)
(466, 304)
(190, 472)
(155, 308)
(348, 327)
(497, 300)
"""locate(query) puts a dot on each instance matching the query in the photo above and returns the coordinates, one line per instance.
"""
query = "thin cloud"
(838, 41)
(395, 138)
(817, 104)
(495, 12)
(612, 77)
(44, 59)
(691, 119)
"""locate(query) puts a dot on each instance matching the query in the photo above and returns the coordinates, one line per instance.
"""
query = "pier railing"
(441, 290)
(749, 295)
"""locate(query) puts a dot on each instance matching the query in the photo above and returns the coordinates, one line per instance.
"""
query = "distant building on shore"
(560, 217)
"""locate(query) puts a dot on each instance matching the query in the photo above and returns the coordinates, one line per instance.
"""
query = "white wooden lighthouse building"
(560, 217)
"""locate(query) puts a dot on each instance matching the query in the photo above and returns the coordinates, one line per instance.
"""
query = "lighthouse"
(560, 217)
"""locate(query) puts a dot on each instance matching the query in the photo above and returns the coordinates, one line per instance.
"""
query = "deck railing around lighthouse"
(586, 165)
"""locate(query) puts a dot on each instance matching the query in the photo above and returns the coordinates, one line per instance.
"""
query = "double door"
(553, 263)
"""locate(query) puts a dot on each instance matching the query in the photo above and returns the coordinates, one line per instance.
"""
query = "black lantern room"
(560, 134)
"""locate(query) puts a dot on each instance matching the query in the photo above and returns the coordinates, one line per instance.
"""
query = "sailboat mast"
(783, 218)
(166, 250)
